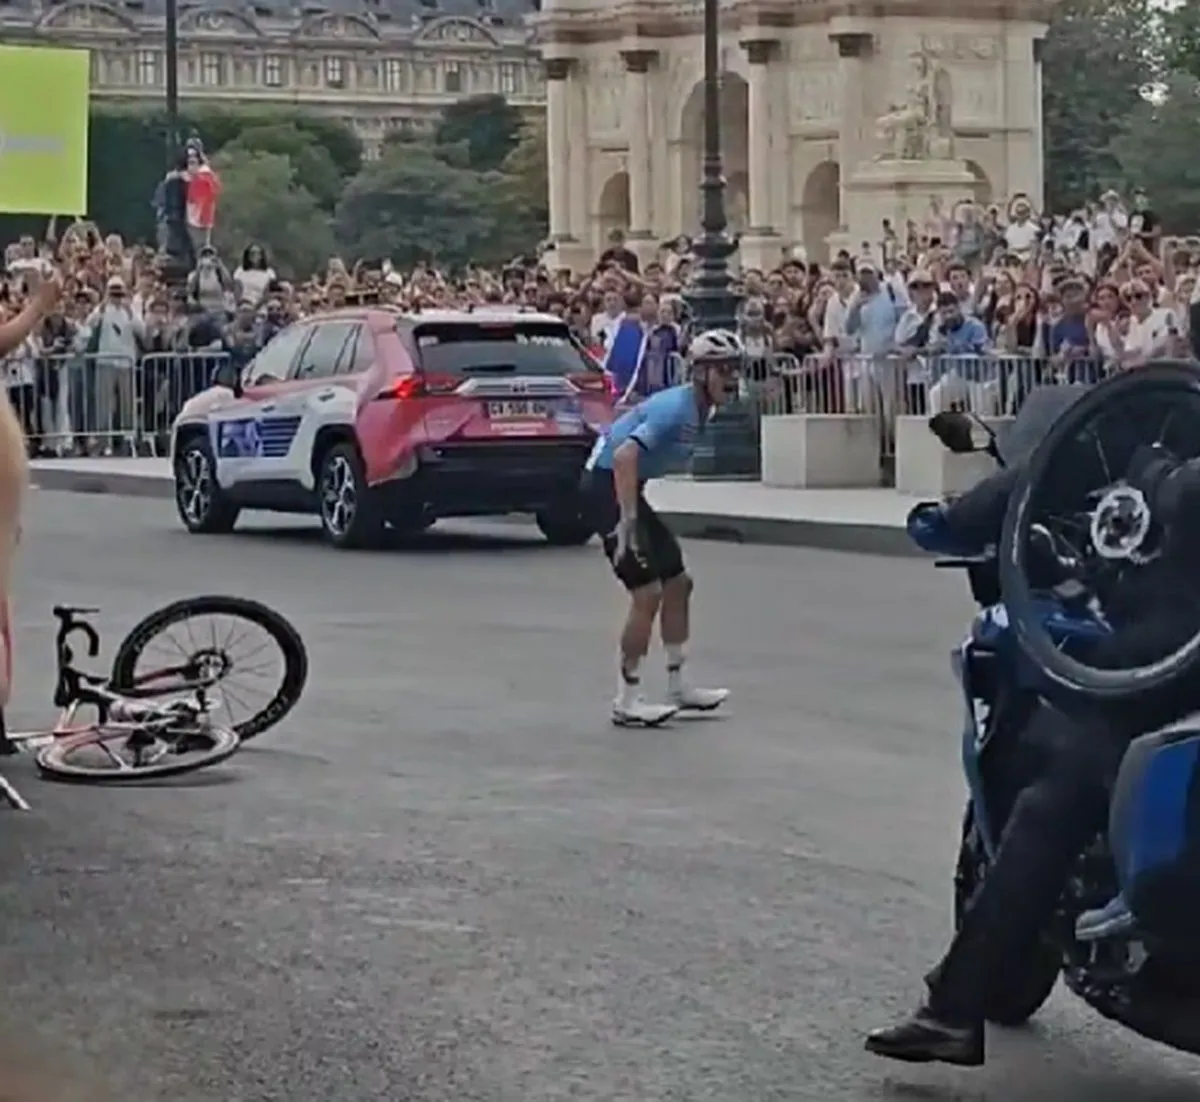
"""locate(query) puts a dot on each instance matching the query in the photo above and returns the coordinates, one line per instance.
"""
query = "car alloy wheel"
(339, 496)
(194, 486)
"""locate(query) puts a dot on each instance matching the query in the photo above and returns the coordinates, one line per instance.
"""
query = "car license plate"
(516, 409)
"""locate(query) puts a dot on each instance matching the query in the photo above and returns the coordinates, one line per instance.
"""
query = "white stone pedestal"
(761, 249)
(819, 451)
(899, 191)
(571, 253)
(924, 468)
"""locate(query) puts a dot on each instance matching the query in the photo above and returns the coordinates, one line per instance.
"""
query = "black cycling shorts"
(655, 556)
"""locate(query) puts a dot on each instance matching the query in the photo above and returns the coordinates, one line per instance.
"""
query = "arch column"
(854, 53)
(761, 244)
(639, 163)
(558, 143)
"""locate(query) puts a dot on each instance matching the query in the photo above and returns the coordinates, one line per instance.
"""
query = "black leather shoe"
(922, 1039)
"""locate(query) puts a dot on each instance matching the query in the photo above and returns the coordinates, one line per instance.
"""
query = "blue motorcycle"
(1075, 526)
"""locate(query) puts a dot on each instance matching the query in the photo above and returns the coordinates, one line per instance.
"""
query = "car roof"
(483, 315)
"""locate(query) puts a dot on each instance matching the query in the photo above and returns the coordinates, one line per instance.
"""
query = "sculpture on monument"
(920, 129)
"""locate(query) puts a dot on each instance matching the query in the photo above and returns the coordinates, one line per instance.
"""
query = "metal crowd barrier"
(93, 404)
(891, 386)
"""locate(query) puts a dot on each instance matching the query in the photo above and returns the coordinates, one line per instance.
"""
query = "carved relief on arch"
(85, 15)
(328, 25)
(217, 21)
(455, 28)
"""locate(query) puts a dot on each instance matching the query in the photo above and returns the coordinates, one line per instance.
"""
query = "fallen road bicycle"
(175, 716)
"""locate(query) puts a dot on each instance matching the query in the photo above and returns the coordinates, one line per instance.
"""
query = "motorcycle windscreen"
(1154, 829)
(1038, 412)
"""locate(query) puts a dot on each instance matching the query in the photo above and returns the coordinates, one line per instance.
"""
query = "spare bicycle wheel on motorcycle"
(247, 655)
(121, 753)
(1075, 483)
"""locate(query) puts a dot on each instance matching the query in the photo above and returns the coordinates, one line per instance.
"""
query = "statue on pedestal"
(920, 129)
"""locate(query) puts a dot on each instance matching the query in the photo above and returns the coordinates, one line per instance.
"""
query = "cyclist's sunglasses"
(727, 369)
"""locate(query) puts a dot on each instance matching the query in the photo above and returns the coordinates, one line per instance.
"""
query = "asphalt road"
(447, 878)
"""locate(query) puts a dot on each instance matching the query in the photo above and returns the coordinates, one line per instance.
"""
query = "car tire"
(201, 503)
(348, 508)
(564, 524)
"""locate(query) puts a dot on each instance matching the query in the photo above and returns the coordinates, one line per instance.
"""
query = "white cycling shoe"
(689, 698)
(640, 712)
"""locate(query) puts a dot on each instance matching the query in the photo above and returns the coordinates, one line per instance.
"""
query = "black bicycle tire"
(278, 627)
(1064, 672)
(49, 761)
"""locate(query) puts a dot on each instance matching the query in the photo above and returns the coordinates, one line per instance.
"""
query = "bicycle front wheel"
(112, 754)
(249, 655)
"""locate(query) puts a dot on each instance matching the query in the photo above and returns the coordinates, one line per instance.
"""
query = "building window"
(95, 67)
(452, 78)
(393, 75)
(508, 79)
(335, 72)
(273, 71)
(147, 67)
(212, 70)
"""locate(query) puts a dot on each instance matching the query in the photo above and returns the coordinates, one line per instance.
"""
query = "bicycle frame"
(76, 689)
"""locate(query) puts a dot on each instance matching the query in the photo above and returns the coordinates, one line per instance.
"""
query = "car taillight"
(417, 386)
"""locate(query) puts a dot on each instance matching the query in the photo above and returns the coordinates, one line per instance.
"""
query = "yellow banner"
(43, 130)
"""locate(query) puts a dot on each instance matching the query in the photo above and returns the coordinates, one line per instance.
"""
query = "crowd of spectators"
(973, 306)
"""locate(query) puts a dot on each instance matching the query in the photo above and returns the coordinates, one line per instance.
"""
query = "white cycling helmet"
(716, 344)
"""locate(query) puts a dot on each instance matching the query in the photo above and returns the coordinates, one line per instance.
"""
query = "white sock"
(630, 683)
(675, 657)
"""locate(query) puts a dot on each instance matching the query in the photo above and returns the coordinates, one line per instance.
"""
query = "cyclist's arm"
(657, 429)
(625, 477)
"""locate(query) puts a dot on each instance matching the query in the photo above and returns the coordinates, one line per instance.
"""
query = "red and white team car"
(373, 418)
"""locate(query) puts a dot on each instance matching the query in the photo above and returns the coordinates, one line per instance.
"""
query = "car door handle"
(267, 409)
(325, 395)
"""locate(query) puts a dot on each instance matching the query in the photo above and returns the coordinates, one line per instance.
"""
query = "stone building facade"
(380, 65)
(808, 89)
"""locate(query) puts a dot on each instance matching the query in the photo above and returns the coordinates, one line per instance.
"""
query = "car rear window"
(499, 348)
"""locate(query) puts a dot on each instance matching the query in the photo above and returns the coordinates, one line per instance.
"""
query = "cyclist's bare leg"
(674, 620)
(644, 604)
(676, 630)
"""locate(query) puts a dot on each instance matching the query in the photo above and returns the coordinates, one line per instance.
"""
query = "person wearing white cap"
(112, 336)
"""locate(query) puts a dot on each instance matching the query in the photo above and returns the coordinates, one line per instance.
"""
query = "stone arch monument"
(830, 122)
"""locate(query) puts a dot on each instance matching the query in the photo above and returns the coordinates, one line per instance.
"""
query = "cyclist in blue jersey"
(649, 441)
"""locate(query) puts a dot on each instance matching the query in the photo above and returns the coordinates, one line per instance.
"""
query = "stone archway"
(820, 210)
(612, 210)
(983, 186)
(735, 153)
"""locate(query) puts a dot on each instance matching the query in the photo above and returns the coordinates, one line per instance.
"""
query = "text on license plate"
(516, 409)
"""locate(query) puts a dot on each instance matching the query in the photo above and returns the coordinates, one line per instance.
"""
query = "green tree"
(1157, 151)
(411, 206)
(263, 201)
(1099, 57)
(314, 166)
(488, 126)
(1181, 37)
(528, 176)
(128, 154)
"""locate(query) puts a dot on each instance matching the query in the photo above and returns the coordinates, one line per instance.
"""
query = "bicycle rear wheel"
(252, 657)
(118, 754)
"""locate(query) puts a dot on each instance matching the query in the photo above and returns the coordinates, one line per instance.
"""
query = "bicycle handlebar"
(69, 623)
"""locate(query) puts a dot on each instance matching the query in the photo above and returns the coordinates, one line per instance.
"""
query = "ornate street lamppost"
(172, 81)
(711, 297)
(729, 447)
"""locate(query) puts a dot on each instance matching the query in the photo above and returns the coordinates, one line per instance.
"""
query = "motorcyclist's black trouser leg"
(1052, 821)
